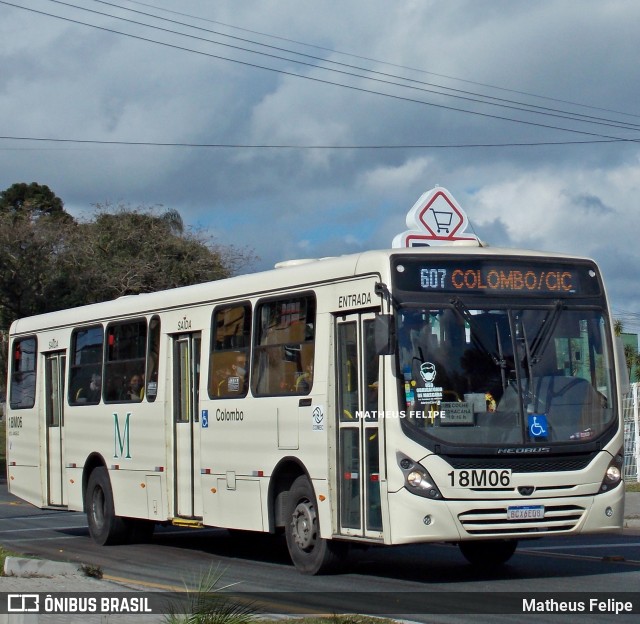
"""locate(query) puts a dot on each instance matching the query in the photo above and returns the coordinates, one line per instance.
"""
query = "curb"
(21, 566)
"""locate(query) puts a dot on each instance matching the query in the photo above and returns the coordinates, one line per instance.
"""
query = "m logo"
(121, 439)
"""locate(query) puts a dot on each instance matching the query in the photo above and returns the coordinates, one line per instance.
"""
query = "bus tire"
(489, 553)
(104, 526)
(310, 553)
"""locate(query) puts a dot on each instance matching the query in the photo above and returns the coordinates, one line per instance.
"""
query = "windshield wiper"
(476, 332)
(541, 340)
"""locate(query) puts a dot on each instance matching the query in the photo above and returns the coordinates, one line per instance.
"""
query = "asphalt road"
(417, 580)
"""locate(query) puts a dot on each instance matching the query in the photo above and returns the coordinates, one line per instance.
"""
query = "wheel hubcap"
(304, 525)
(98, 507)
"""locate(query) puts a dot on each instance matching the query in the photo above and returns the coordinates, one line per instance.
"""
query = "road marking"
(34, 529)
(582, 546)
(40, 539)
(129, 582)
(55, 514)
(559, 555)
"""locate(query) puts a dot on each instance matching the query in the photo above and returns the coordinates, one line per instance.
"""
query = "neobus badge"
(435, 219)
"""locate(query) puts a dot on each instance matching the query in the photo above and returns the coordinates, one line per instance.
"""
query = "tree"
(127, 251)
(32, 248)
(33, 200)
(618, 327)
(631, 354)
(48, 261)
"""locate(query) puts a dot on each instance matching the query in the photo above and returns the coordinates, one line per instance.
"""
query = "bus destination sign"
(491, 276)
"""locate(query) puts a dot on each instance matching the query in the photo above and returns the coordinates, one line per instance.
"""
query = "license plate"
(531, 512)
(487, 479)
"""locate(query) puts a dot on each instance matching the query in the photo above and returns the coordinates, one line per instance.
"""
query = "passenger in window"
(234, 377)
(95, 388)
(304, 381)
(136, 388)
(90, 394)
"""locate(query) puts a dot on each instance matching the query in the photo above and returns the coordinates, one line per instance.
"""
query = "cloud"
(64, 80)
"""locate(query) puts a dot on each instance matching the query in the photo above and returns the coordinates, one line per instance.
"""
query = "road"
(377, 580)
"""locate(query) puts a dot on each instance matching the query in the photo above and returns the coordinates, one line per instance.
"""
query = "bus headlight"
(417, 480)
(613, 474)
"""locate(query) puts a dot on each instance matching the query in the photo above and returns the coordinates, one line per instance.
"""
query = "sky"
(298, 128)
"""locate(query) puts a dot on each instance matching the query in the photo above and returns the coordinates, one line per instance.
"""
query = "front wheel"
(310, 553)
(104, 526)
(489, 553)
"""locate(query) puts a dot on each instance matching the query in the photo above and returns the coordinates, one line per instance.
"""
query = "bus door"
(186, 452)
(358, 461)
(54, 367)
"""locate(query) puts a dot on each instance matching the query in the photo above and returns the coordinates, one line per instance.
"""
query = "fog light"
(427, 520)
(608, 512)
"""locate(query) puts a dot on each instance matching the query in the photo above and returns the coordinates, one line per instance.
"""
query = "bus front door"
(54, 367)
(358, 461)
(186, 452)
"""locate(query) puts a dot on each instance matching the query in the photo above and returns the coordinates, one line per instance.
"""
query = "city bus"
(458, 394)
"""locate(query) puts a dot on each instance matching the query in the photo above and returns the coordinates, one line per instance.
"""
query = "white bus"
(456, 394)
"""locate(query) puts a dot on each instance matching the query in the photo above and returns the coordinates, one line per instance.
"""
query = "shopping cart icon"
(443, 220)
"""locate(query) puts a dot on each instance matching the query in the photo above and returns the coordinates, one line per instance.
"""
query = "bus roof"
(295, 274)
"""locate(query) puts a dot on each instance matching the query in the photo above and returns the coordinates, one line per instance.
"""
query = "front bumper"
(416, 519)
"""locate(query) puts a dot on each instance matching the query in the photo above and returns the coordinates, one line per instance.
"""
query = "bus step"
(185, 522)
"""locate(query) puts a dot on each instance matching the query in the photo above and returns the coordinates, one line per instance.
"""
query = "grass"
(207, 604)
(335, 619)
(632, 487)
(4, 553)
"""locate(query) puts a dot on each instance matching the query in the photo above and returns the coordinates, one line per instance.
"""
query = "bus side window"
(230, 345)
(125, 361)
(85, 371)
(284, 347)
(153, 359)
(23, 374)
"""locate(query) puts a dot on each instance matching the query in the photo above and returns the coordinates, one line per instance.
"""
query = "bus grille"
(557, 519)
(522, 464)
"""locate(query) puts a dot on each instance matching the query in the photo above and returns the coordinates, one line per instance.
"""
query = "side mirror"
(384, 334)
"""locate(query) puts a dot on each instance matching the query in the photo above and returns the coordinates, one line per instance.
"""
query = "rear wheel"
(104, 526)
(490, 553)
(310, 553)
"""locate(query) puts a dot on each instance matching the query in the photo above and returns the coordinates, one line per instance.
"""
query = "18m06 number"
(480, 478)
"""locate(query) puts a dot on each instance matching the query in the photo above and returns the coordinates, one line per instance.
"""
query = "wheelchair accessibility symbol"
(538, 427)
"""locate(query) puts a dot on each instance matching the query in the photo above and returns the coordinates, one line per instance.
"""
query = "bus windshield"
(481, 376)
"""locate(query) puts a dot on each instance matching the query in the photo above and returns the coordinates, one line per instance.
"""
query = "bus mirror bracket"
(384, 328)
(384, 334)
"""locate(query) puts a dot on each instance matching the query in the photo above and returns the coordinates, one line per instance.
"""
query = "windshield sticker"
(538, 427)
(456, 413)
(428, 393)
(581, 435)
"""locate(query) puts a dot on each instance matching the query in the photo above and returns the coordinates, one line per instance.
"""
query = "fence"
(631, 410)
